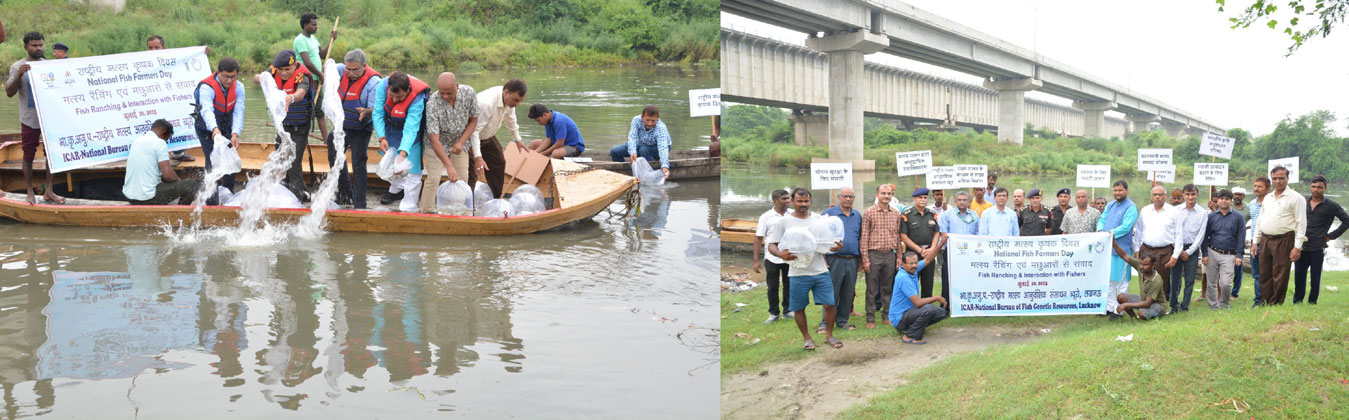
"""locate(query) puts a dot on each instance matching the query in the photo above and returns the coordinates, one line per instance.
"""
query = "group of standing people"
(896, 246)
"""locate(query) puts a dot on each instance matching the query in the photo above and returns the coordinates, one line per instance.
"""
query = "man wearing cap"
(998, 220)
(1034, 219)
(1057, 214)
(918, 231)
(59, 51)
(298, 85)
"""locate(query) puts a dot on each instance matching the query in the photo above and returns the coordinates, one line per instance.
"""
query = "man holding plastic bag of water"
(219, 115)
(792, 239)
(399, 104)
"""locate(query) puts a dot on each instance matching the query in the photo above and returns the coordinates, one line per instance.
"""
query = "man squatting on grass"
(1152, 303)
(813, 277)
(911, 314)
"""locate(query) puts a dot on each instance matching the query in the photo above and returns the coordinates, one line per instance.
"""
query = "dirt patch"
(825, 385)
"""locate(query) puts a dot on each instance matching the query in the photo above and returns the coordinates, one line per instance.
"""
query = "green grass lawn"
(1179, 366)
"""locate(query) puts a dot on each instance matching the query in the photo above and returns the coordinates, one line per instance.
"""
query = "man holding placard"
(1118, 219)
(1279, 238)
(30, 127)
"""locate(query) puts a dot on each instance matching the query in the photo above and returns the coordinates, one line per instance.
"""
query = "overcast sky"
(1180, 52)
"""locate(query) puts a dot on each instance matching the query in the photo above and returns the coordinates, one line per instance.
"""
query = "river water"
(615, 318)
(745, 192)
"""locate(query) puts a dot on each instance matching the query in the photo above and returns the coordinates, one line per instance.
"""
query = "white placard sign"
(1210, 174)
(1039, 275)
(830, 176)
(91, 108)
(1167, 176)
(1093, 176)
(913, 163)
(942, 178)
(704, 102)
(1154, 159)
(1217, 146)
(1290, 163)
(971, 176)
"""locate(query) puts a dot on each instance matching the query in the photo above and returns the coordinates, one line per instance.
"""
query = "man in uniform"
(1057, 214)
(1034, 219)
(919, 232)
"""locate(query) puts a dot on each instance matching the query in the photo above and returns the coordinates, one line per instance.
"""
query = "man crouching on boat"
(149, 178)
(399, 104)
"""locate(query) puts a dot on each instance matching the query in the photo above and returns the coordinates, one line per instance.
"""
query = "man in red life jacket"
(400, 102)
(298, 85)
(220, 112)
(357, 88)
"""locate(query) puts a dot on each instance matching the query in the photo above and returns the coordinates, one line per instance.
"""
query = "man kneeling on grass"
(1152, 303)
(911, 314)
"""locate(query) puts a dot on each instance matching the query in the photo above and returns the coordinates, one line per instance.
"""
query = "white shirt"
(492, 113)
(817, 265)
(1192, 223)
(1282, 214)
(1157, 228)
(767, 219)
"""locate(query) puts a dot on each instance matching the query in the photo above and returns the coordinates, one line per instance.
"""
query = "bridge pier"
(1175, 129)
(1094, 114)
(847, 82)
(1141, 123)
(1012, 106)
(810, 129)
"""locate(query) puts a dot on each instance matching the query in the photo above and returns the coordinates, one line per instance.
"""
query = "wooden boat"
(578, 193)
(738, 234)
(684, 164)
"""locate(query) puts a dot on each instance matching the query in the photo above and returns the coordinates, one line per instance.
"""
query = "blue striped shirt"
(659, 136)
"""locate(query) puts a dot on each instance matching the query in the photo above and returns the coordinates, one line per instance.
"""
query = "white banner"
(971, 176)
(1154, 159)
(704, 102)
(91, 108)
(1041, 275)
(913, 163)
(1167, 176)
(942, 178)
(1217, 146)
(1093, 176)
(1210, 174)
(830, 176)
(1289, 163)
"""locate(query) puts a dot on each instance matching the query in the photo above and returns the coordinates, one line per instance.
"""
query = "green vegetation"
(762, 135)
(395, 34)
(1320, 17)
(1284, 362)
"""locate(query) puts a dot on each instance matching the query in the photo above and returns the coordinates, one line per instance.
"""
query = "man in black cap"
(1056, 216)
(1034, 219)
(59, 51)
(918, 231)
(297, 84)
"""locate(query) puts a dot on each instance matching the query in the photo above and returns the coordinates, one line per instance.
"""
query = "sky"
(1180, 52)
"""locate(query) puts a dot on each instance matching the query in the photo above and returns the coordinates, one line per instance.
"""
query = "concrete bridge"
(847, 30)
(762, 71)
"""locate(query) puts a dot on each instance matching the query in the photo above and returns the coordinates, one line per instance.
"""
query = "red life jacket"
(298, 112)
(223, 104)
(224, 99)
(288, 85)
(351, 91)
(399, 111)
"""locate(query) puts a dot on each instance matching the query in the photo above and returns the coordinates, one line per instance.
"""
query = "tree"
(1323, 14)
(1310, 138)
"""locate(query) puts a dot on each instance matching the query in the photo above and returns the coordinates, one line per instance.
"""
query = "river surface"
(602, 101)
(612, 319)
(746, 190)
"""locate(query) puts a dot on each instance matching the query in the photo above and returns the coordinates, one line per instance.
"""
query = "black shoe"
(1114, 317)
(389, 198)
(344, 200)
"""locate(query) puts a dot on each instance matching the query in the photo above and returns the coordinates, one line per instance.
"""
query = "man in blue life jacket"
(219, 111)
(298, 85)
(400, 102)
(357, 88)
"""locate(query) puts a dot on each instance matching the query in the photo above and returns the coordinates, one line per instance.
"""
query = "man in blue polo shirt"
(563, 137)
(843, 264)
(910, 313)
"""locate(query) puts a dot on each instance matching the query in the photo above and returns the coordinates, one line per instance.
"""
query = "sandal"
(809, 345)
(835, 343)
(848, 327)
(908, 340)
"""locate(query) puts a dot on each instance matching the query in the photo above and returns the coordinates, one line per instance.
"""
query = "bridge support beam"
(846, 86)
(810, 129)
(1012, 106)
(1175, 129)
(1141, 123)
(1094, 114)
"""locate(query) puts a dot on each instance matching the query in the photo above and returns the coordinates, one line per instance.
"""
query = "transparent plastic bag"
(800, 242)
(388, 167)
(827, 230)
(482, 193)
(454, 198)
(528, 189)
(277, 197)
(223, 195)
(641, 169)
(496, 208)
(525, 203)
(224, 158)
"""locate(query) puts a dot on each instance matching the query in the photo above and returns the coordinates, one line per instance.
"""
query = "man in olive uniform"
(1034, 219)
(918, 231)
(1057, 213)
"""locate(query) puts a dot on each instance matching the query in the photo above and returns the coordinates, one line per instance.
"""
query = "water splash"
(311, 225)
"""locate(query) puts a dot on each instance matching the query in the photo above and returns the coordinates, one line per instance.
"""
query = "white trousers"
(1112, 295)
(411, 186)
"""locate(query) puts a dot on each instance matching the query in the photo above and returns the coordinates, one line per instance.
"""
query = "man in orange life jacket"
(220, 112)
(357, 88)
(400, 102)
(298, 85)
